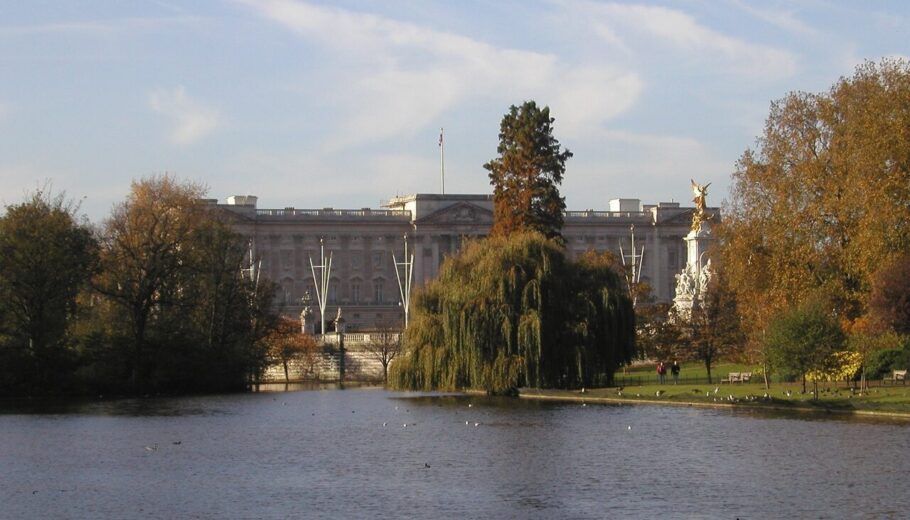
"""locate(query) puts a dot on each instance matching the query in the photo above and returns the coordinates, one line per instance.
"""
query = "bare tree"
(384, 346)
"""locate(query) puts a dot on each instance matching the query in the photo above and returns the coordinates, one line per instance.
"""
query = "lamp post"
(306, 314)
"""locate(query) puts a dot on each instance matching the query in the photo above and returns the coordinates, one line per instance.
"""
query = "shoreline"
(545, 395)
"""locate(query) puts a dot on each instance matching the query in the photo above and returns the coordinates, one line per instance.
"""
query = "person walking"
(674, 369)
(661, 372)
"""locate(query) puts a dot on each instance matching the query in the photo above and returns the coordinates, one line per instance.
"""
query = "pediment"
(461, 213)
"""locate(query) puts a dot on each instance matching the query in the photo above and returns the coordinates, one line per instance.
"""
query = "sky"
(313, 104)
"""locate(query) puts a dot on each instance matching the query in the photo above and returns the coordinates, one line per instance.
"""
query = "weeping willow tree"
(514, 312)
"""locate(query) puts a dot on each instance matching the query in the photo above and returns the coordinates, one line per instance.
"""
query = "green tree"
(804, 339)
(513, 311)
(657, 337)
(711, 330)
(824, 199)
(46, 258)
(527, 174)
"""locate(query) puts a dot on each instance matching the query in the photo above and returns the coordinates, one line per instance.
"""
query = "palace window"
(355, 292)
(378, 291)
(378, 260)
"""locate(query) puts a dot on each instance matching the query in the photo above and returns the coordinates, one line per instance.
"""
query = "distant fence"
(652, 379)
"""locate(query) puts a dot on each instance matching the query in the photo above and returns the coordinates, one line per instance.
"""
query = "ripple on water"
(305, 454)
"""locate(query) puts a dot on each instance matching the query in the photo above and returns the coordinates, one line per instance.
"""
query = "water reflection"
(367, 453)
(134, 407)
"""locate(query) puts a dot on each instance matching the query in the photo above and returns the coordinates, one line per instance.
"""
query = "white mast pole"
(442, 161)
(322, 284)
(404, 286)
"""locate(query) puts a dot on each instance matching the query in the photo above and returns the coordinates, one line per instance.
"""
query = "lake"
(371, 453)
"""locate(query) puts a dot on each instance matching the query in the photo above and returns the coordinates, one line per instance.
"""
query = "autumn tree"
(889, 301)
(286, 344)
(823, 199)
(144, 250)
(46, 257)
(527, 173)
(171, 272)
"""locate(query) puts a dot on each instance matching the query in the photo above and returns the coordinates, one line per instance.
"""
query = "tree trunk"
(804, 383)
(708, 367)
(139, 339)
(765, 376)
(285, 363)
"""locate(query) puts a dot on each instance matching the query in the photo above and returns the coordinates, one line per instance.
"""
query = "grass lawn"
(888, 399)
(689, 370)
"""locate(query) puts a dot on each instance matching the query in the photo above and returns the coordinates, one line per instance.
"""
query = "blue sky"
(317, 104)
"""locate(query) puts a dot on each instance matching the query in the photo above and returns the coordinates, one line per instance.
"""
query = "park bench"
(897, 375)
(737, 377)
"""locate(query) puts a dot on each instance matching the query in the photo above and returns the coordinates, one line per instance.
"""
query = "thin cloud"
(192, 121)
(97, 27)
(419, 73)
(782, 18)
(683, 33)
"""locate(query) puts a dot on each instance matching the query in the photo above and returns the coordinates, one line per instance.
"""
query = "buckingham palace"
(361, 243)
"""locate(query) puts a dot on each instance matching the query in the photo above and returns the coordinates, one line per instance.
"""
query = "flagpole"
(442, 160)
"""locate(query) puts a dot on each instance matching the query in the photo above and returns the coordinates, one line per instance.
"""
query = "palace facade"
(361, 243)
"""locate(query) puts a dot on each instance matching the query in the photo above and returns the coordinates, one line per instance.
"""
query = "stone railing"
(608, 214)
(357, 339)
(331, 212)
(330, 363)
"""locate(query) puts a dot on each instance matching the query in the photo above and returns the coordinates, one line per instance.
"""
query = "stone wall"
(359, 363)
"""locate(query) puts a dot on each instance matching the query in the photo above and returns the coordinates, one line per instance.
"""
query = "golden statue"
(699, 216)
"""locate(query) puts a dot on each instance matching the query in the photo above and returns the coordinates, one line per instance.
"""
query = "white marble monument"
(692, 282)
